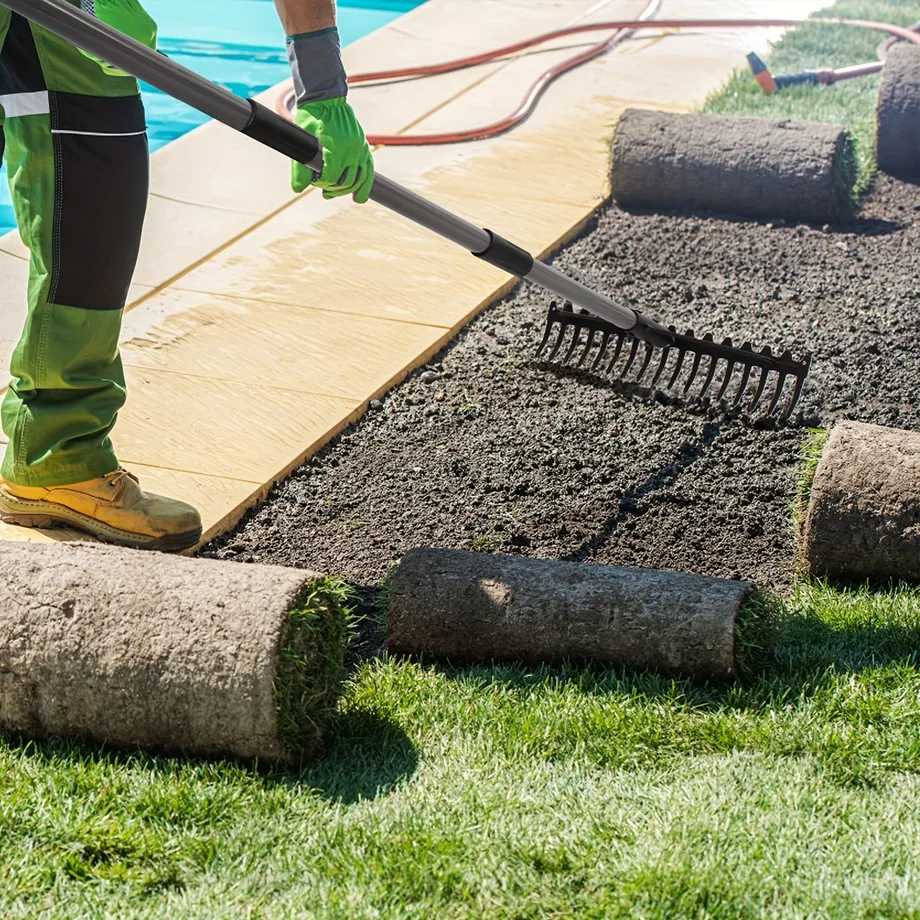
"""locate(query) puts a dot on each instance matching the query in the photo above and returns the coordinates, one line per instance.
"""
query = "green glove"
(128, 17)
(323, 110)
(348, 166)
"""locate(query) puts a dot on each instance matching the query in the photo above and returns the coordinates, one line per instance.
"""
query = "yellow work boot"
(113, 509)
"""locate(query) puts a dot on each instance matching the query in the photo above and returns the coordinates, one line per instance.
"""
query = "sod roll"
(754, 167)
(138, 649)
(898, 135)
(863, 517)
(466, 607)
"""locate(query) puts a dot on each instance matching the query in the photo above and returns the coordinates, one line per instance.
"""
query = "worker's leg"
(76, 150)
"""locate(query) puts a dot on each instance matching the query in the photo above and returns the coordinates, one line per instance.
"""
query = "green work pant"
(76, 149)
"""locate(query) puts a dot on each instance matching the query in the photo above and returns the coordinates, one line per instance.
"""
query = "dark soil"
(484, 450)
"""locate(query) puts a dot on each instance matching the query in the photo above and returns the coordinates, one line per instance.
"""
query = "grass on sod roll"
(850, 103)
(312, 668)
(514, 793)
(754, 633)
(812, 448)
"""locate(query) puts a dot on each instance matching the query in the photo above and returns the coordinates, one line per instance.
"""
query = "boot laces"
(118, 477)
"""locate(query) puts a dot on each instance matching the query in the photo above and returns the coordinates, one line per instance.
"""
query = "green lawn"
(509, 793)
(812, 47)
(512, 793)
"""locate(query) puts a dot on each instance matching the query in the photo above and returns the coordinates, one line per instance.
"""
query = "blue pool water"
(237, 43)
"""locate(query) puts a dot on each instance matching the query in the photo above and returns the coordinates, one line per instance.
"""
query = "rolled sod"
(138, 649)
(468, 607)
(898, 135)
(753, 167)
(863, 517)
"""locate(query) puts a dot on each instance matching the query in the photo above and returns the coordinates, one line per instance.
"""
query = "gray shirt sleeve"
(316, 65)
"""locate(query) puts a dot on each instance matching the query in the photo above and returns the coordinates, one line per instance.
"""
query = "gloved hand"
(129, 17)
(348, 166)
(323, 111)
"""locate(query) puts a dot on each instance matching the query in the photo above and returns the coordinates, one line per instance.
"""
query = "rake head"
(661, 359)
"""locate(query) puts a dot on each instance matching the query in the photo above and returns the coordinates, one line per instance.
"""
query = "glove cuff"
(316, 65)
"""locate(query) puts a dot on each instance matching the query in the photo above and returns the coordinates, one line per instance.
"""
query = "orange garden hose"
(621, 30)
(523, 111)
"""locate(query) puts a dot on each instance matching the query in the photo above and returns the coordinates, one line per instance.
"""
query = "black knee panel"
(94, 173)
(101, 182)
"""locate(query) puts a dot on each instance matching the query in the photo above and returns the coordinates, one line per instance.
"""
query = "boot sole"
(39, 517)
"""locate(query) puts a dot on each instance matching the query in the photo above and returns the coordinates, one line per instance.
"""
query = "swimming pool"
(237, 43)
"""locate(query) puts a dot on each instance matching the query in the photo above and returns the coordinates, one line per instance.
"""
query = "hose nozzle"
(826, 77)
(762, 74)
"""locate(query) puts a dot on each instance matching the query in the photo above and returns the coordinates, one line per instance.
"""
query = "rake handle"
(267, 127)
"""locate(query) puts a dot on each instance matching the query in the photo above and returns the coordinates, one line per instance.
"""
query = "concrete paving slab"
(217, 167)
(332, 353)
(223, 428)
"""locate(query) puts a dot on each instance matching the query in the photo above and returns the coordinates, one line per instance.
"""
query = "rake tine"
(601, 350)
(713, 362)
(681, 354)
(661, 366)
(758, 393)
(796, 395)
(745, 376)
(726, 381)
(649, 351)
(559, 341)
(550, 323)
(760, 388)
(785, 356)
(576, 339)
(776, 394)
(588, 344)
(632, 357)
(693, 371)
(727, 342)
(616, 353)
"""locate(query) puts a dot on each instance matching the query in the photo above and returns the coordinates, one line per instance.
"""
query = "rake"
(696, 370)
(598, 315)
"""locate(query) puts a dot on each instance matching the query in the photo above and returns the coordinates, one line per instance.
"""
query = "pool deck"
(261, 324)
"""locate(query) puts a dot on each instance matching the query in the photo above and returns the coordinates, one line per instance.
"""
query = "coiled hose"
(620, 29)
